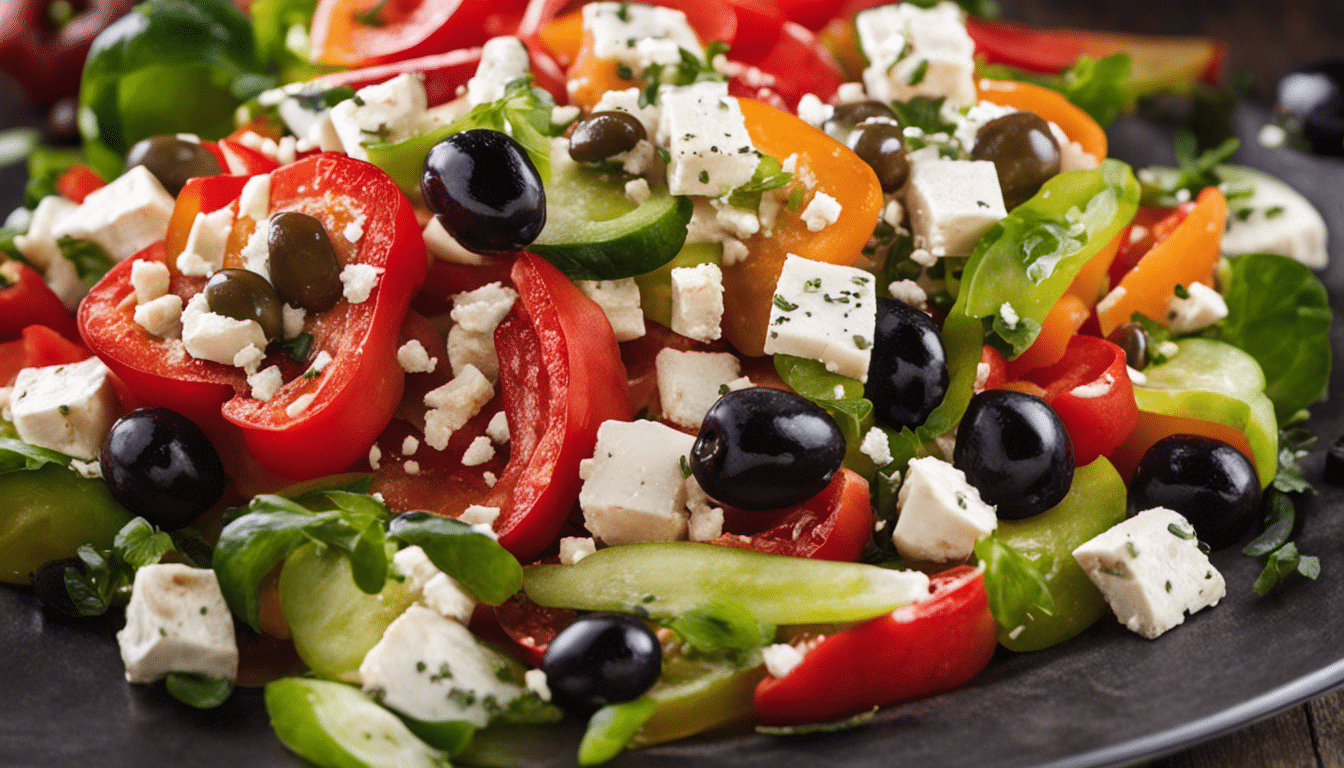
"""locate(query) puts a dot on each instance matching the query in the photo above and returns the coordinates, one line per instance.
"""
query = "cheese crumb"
(358, 281)
(479, 452)
(413, 358)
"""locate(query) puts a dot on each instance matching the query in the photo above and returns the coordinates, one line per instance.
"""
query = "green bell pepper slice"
(48, 514)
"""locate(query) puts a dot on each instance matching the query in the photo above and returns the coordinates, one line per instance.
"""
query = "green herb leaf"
(612, 727)
(18, 456)
(1010, 342)
(848, 723)
(483, 567)
(139, 544)
(1285, 561)
(298, 348)
(91, 261)
(769, 175)
(1280, 517)
(1295, 439)
(1100, 87)
(923, 113)
(253, 544)
(198, 691)
(1195, 171)
(45, 166)
(1014, 583)
(721, 626)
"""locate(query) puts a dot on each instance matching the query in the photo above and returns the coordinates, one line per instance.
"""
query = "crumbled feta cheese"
(478, 452)
(474, 348)
(409, 445)
(952, 203)
(383, 113)
(442, 246)
(941, 516)
(634, 490)
(535, 681)
(734, 251)
(628, 101)
(637, 191)
(1151, 571)
(292, 318)
(575, 548)
(256, 253)
(358, 281)
(149, 279)
(215, 337)
(1201, 308)
(254, 202)
(177, 621)
(1072, 156)
(706, 136)
(909, 292)
(1009, 316)
(706, 520)
(780, 659)
(91, 470)
(975, 118)
(265, 383)
(690, 382)
(914, 51)
(411, 468)
(479, 515)
(825, 312)
(433, 588)
(483, 308)
(250, 357)
(876, 447)
(161, 317)
(375, 457)
(67, 408)
(822, 212)
(413, 358)
(619, 300)
(453, 404)
(503, 60)
(203, 254)
(639, 35)
(1168, 349)
(697, 301)
(813, 110)
(498, 428)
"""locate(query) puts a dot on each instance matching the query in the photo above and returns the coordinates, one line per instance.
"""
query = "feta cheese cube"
(124, 217)
(628, 101)
(575, 548)
(634, 490)
(1275, 219)
(1151, 571)
(503, 60)
(358, 281)
(1201, 308)
(453, 404)
(706, 135)
(433, 669)
(619, 300)
(161, 317)
(690, 382)
(211, 336)
(697, 301)
(941, 516)
(433, 588)
(386, 112)
(67, 408)
(177, 621)
(824, 312)
(822, 212)
(149, 279)
(413, 358)
(952, 203)
(915, 51)
(638, 35)
(38, 244)
(706, 520)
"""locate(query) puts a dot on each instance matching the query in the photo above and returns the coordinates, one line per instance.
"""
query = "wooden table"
(1305, 736)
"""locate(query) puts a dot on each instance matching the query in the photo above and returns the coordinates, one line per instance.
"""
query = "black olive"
(881, 145)
(1024, 153)
(1311, 103)
(172, 160)
(907, 376)
(1015, 450)
(846, 116)
(485, 190)
(244, 295)
(604, 134)
(600, 659)
(304, 267)
(1208, 481)
(49, 584)
(161, 466)
(763, 448)
(1132, 338)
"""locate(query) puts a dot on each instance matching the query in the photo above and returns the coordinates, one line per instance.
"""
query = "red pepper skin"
(560, 377)
(917, 650)
(996, 369)
(527, 627)
(202, 195)
(39, 346)
(791, 64)
(408, 29)
(1093, 395)
(29, 301)
(354, 396)
(48, 58)
(242, 160)
(835, 524)
(78, 182)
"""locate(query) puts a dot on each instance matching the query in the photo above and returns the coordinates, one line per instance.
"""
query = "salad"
(665, 369)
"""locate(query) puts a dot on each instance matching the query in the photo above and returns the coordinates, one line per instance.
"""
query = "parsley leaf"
(1194, 171)
(90, 260)
(923, 113)
(1284, 562)
(769, 175)
(1015, 584)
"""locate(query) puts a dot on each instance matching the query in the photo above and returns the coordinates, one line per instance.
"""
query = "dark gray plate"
(1107, 698)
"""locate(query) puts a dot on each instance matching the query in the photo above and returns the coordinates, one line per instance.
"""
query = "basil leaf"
(1279, 313)
(45, 166)
(1280, 516)
(720, 626)
(138, 544)
(1099, 87)
(612, 727)
(1284, 562)
(853, 721)
(253, 544)
(88, 588)
(1015, 584)
(476, 560)
(18, 456)
(193, 547)
(90, 260)
(198, 691)
(810, 379)
(769, 175)
(361, 539)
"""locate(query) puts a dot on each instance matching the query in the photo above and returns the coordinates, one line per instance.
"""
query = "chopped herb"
(1168, 587)
(704, 177)
(624, 72)
(784, 303)
(1274, 212)
(685, 467)
(372, 16)
(665, 155)
(298, 348)
(920, 72)
(1182, 292)
(65, 410)
(1131, 549)
(723, 388)
(796, 197)
(813, 285)
(1180, 532)
(861, 342)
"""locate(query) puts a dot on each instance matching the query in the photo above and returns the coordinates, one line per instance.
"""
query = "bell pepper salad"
(637, 370)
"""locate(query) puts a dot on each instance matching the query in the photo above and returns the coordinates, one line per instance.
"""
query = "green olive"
(846, 116)
(1023, 151)
(172, 160)
(304, 268)
(881, 145)
(605, 134)
(245, 295)
(1132, 338)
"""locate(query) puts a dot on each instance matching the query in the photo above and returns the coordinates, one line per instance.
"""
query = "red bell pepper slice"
(920, 649)
(76, 183)
(791, 64)
(359, 33)
(28, 300)
(242, 160)
(1093, 395)
(355, 395)
(836, 524)
(560, 376)
(38, 347)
